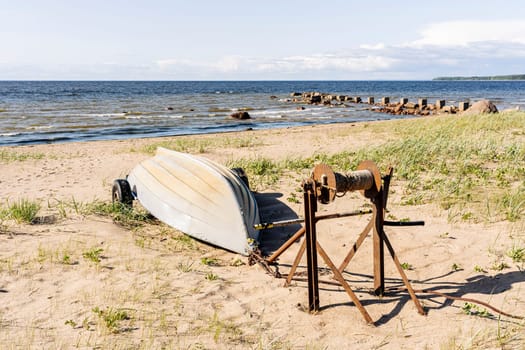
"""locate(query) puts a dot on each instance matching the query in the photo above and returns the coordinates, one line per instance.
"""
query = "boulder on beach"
(240, 115)
(315, 99)
(483, 106)
(449, 109)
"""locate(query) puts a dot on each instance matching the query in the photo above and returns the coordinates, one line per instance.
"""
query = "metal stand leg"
(295, 263)
(286, 245)
(379, 246)
(404, 276)
(356, 246)
(310, 207)
(339, 277)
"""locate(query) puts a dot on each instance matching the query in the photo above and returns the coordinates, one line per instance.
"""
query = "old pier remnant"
(403, 107)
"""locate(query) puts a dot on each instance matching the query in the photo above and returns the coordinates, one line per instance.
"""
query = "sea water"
(34, 112)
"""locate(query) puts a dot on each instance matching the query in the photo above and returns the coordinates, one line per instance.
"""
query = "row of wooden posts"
(422, 102)
(324, 98)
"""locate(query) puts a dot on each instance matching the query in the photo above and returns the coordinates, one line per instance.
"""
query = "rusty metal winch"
(324, 186)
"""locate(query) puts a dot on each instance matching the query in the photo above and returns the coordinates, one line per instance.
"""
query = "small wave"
(141, 116)
(39, 127)
(317, 113)
(7, 134)
(155, 116)
(133, 113)
(104, 115)
(218, 109)
(316, 118)
(284, 111)
(97, 115)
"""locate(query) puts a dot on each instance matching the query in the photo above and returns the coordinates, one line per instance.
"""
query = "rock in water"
(483, 106)
(240, 115)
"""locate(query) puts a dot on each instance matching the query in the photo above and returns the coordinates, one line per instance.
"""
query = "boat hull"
(198, 197)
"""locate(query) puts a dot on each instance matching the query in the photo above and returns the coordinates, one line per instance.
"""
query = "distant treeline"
(495, 77)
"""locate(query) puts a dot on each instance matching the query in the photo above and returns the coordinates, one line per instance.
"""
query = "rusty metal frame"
(312, 247)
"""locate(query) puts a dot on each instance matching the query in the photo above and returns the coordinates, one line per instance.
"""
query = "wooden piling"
(370, 100)
(463, 106)
(440, 104)
(385, 100)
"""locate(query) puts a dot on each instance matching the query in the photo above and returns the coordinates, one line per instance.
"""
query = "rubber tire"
(121, 192)
(242, 175)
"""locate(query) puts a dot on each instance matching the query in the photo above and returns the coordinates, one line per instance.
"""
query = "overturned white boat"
(196, 196)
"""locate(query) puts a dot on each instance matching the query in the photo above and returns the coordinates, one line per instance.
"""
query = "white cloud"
(444, 48)
(353, 62)
(378, 46)
(166, 64)
(294, 65)
(346, 62)
(225, 64)
(229, 64)
(463, 33)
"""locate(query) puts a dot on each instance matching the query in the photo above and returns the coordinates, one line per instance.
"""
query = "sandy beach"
(153, 288)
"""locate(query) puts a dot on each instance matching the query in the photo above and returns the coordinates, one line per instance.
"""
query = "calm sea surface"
(34, 112)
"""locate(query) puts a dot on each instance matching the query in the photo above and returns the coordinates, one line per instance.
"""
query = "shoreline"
(56, 155)
(59, 110)
(236, 133)
(240, 127)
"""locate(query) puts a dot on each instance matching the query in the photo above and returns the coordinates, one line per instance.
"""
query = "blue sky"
(259, 40)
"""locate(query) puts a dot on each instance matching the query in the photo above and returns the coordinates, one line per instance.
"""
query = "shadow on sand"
(272, 209)
(397, 295)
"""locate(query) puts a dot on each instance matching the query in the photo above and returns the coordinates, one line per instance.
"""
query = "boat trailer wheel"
(121, 192)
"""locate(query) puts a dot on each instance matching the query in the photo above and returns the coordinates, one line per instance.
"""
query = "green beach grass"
(473, 166)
